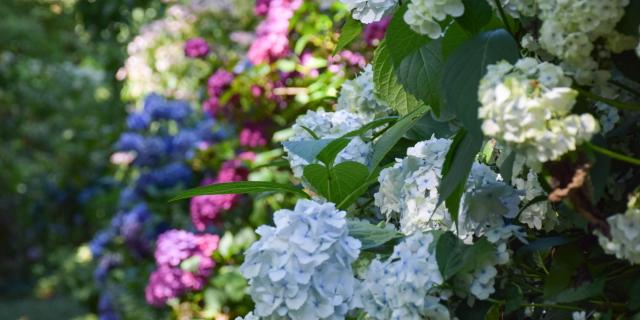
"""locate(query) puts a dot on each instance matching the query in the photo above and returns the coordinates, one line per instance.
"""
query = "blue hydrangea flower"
(138, 121)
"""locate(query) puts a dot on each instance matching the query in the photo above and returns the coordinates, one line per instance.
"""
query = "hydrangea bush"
(479, 167)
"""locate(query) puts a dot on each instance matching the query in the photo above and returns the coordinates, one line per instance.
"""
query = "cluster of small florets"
(196, 48)
(374, 32)
(358, 96)
(301, 268)
(206, 210)
(570, 30)
(272, 40)
(480, 282)
(329, 125)
(516, 8)
(368, 11)
(409, 192)
(405, 286)
(625, 236)
(183, 262)
(538, 215)
(423, 16)
(216, 85)
(253, 135)
(526, 106)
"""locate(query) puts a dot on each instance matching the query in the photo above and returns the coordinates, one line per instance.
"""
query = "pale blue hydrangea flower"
(409, 192)
(539, 215)
(358, 96)
(368, 11)
(625, 236)
(301, 268)
(527, 108)
(423, 16)
(516, 8)
(405, 286)
(330, 125)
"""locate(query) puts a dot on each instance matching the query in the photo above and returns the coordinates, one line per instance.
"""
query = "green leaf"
(600, 171)
(631, 19)
(371, 236)
(493, 313)
(475, 312)
(452, 201)
(386, 142)
(350, 31)
(330, 152)
(336, 183)
(476, 15)
(461, 157)
(307, 149)
(427, 127)
(400, 38)
(542, 244)
(238, 188)
(566, 261)
(387, 86)
(583, 292)
(464, 69)
(454, 36)
(371, 125)
(514, 299)
(355, 194)
(506, 166)
(634, 295)
(453, 256)
(420, 73)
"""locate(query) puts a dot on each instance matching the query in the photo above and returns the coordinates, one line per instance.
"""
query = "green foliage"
(350, 31)
(371, 236)
(455, 257)
(237, 188)
(336, 182)
(420, 73)
(400, 39)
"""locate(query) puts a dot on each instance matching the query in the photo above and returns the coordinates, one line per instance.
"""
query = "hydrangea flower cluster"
(625, 234)
(272, 40)
(206, 210)
(216, 85)
(515, 8)
(409, 192)
(526, 106)
(301, 268)
(183, 263)
(196, 48)
(423, 15)
(405, 286)
(374, 32)
(253, 135)
(329, 125)
(539, 215)
(481, 281)
(358, 96)
(368, 11)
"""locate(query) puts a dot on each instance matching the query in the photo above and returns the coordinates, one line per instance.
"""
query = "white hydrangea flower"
(527, 108)
(358, 96)
(570, 29)
(579, 315)
(405, 286)
(301, 268)
(515, 8)
(249, 316)
(409, 192)
(423, 15)
(481, 281)
(625, 236)
(539, 215)
(330, 125)
(368, 11)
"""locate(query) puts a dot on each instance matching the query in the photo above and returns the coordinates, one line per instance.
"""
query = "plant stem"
(611, 102)
(539, 305)
(612, 154)
(504, 17)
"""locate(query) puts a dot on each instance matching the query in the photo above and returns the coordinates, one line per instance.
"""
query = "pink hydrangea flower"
(272, 40)
(196, 48)
(253, 135)
(374, 32)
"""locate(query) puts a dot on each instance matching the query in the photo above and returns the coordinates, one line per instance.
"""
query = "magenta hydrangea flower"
(253, 135)
(218, 82)
(184, 263)
(262, 7)
(205, 210)
(345, 58)
(374, 32)
(196, 48)
(272, 41)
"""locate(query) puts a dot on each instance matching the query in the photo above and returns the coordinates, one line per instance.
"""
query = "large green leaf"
(307, 149)
(565, 264)
(464, 69)
(453, 256)
(356, 193)
(427, 127)
(336, 183)
(330, 152)
(387, 86)
(350, 31)
(420, 73)
(584, 291)
(237, 188)
(371, 236)
(386, 142)
(630, 22)
(401, 39)
(453, 38)
(459, 160)
(476, 15)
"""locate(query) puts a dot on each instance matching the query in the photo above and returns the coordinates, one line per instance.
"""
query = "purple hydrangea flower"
(253, 135)
(272, 40)
(219, 81)
(196, 48)
(374, 32)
